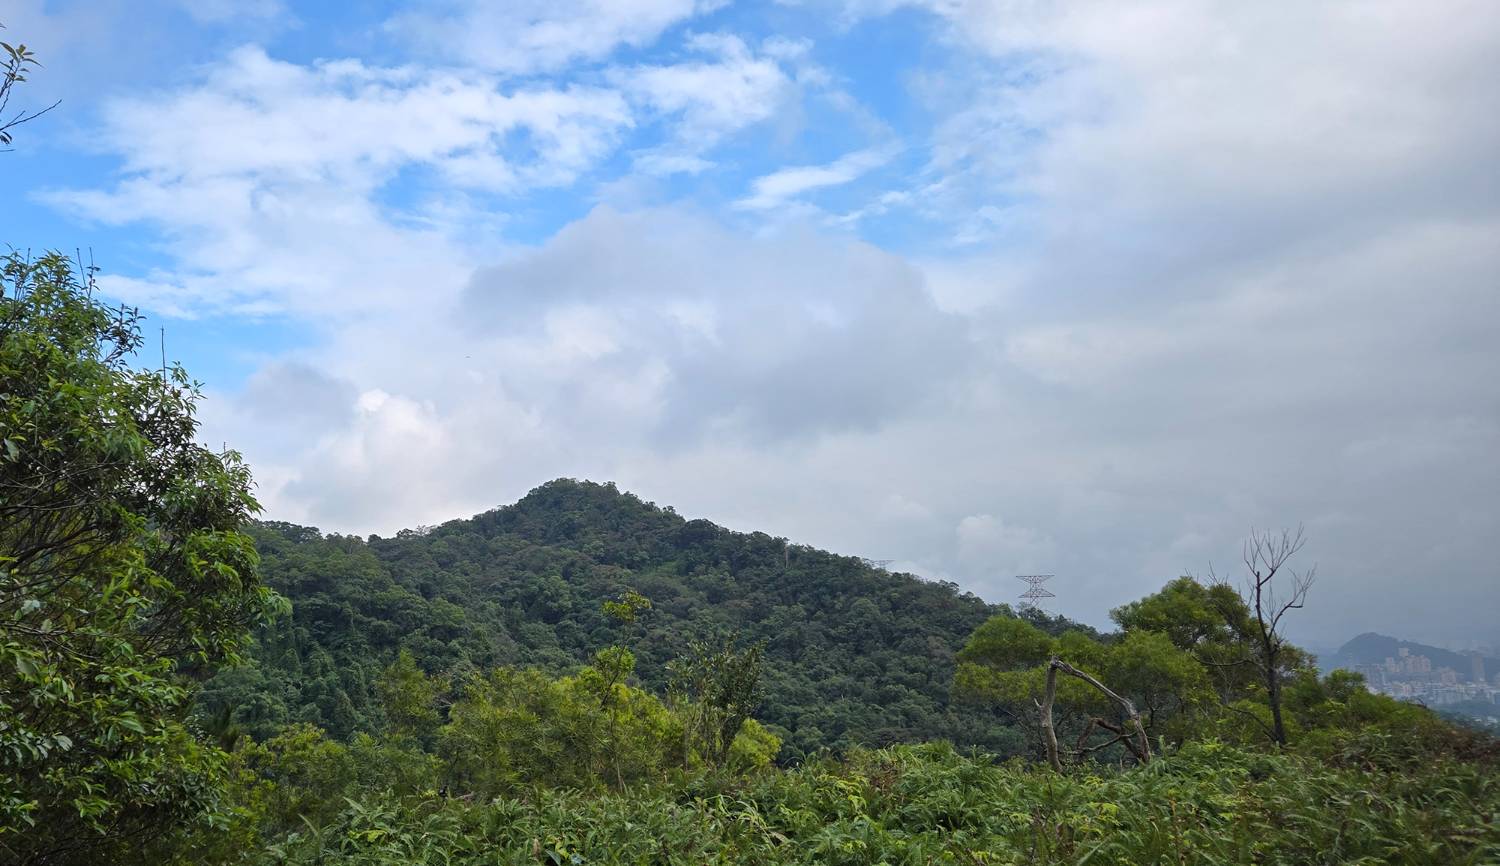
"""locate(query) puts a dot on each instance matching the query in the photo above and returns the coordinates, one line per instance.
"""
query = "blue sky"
(985, 287)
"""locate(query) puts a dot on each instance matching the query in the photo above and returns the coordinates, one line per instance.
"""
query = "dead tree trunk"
(1265, 556)
(1132, 733)
(1049, 733)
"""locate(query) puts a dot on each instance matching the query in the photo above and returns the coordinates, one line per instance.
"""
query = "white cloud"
(1253, 121)
(160, 293)
(215, 11)
(525, 36)
(347, 123)
(706, 100)
(657, 331)
(259, 176)
(775, 189)
(988, 543)
(755, 335)
(254, 173)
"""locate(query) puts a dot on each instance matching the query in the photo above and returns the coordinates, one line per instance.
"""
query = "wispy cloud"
(775, 189)
(529, 36)
(704, 100)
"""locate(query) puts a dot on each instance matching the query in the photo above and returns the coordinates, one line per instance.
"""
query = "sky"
(984, 287)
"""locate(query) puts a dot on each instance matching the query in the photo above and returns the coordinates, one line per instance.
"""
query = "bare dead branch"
(1134, 739)
(1269, 595)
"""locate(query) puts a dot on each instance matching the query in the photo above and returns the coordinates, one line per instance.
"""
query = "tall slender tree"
(1271, 590)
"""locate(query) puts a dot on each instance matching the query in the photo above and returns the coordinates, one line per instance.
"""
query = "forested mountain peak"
(612, 526)
(855, 654)
(570, 512)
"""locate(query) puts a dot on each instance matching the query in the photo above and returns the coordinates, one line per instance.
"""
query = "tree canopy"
(853, 654)
(125, 573)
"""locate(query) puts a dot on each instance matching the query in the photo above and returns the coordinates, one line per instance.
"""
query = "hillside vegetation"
(855, 655)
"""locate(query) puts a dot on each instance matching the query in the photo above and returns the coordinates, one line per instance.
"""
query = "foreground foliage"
(519, 766)
(1208, 803)
(124, 575)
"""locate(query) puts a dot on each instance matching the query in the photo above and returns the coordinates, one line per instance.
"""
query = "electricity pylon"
(1034, 589)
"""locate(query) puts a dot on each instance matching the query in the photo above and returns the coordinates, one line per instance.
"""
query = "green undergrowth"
(1209, 803)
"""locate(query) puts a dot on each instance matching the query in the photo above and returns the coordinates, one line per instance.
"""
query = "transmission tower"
(877, 563)
(1034, 590)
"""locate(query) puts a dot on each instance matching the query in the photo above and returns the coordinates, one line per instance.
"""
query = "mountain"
(1373, 649)
(854, 654)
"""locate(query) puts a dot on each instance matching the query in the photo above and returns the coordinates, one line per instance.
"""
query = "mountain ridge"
(854, 654)
(1372, 648)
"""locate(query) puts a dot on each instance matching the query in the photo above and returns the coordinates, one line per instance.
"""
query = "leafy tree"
(124, 575)
(516, 728)
(410, 699)
(1013, 664)
(1172, 688)
(628, 607)
(16, 64)
(754, 748)
(612, 666)
(1194, 617)
(716, 689)
(298, 775)
(1214, 624)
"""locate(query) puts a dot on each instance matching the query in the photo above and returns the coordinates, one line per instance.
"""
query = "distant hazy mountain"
(1372, 649)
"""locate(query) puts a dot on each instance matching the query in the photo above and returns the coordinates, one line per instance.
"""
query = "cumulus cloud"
(262, 173)
(653, 331)
(771, 337)
(1240, 127)
(298, 397)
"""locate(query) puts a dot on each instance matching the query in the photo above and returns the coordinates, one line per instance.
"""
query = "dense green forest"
(854, 655)
(586, 678)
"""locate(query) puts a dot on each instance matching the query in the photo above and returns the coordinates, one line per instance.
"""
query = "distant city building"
(1412, 676)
